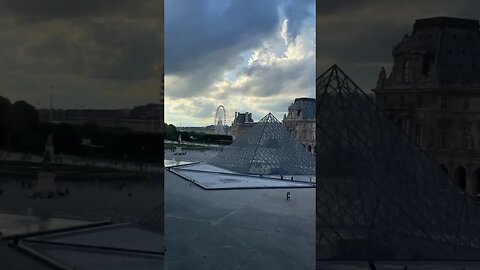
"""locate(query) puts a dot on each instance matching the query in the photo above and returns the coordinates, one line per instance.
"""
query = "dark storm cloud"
(135, 51)
(359, 35)
(205, 41)
(215, 35)
(111, 49)
(358, 46)
(34, 10)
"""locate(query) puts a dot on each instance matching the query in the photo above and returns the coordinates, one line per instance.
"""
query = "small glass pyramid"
(266, 149)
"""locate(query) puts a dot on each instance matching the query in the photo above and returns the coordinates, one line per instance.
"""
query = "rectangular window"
(418, 133)
(466, 104)
(466, 136)
(443, 102)
(443, 136)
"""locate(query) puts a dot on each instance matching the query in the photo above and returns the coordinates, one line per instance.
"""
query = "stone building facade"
(433, 94)
(300, 121)
(241, 123)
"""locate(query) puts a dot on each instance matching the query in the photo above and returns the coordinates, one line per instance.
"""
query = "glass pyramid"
(380, 196)
(266, 149)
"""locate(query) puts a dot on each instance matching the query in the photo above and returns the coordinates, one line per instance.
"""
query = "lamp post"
(51, 104)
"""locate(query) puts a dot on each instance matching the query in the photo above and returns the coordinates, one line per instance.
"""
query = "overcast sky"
(248, 55)
(358, 35)
(97, 54)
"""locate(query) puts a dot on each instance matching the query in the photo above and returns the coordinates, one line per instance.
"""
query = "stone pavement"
(238, 229)
(357, 265)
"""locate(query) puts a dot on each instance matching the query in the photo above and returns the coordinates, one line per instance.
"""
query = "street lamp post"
(51, 104)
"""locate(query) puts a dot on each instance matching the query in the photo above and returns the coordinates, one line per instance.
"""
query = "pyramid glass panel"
(379, 195)
(266, 149)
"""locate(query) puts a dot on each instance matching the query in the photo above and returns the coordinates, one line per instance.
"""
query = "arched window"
(460, 177)
(476, 181)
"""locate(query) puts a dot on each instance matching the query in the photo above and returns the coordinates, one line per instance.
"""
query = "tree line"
(21, 131)
(171, 133)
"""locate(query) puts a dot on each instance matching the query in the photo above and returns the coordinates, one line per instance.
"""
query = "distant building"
(432, 94)
(241, 123)
(300, 121)
(146, 118)
(206, 130)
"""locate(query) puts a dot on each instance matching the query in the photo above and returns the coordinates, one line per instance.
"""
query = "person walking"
(288, 196)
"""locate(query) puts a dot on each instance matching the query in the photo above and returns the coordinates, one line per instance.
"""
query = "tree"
(22, 118)
(66, 139)
(5, 107)
(171, 132)
(89, 129)
(22, 123)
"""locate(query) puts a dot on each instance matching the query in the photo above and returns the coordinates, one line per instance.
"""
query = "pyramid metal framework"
(267, 148)
(380, 196)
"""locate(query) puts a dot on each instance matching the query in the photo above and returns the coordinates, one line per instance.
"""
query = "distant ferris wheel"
(220, 124)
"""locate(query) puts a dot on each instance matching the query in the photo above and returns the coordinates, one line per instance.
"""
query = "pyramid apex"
(269, 118)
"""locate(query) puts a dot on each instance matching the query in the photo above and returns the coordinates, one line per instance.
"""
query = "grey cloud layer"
(99, 45)
(40, 10)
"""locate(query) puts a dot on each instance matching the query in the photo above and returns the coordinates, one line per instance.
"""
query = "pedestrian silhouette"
(288, 196)
(371, 265)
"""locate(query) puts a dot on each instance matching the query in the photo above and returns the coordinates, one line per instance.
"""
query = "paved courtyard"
(238, 229)
(333, 265)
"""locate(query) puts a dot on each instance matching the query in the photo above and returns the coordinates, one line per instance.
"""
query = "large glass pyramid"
(379, 196)
(266, 149)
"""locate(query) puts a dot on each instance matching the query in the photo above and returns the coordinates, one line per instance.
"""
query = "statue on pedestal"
(46, 186)
(48, 153)
(382, 76)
